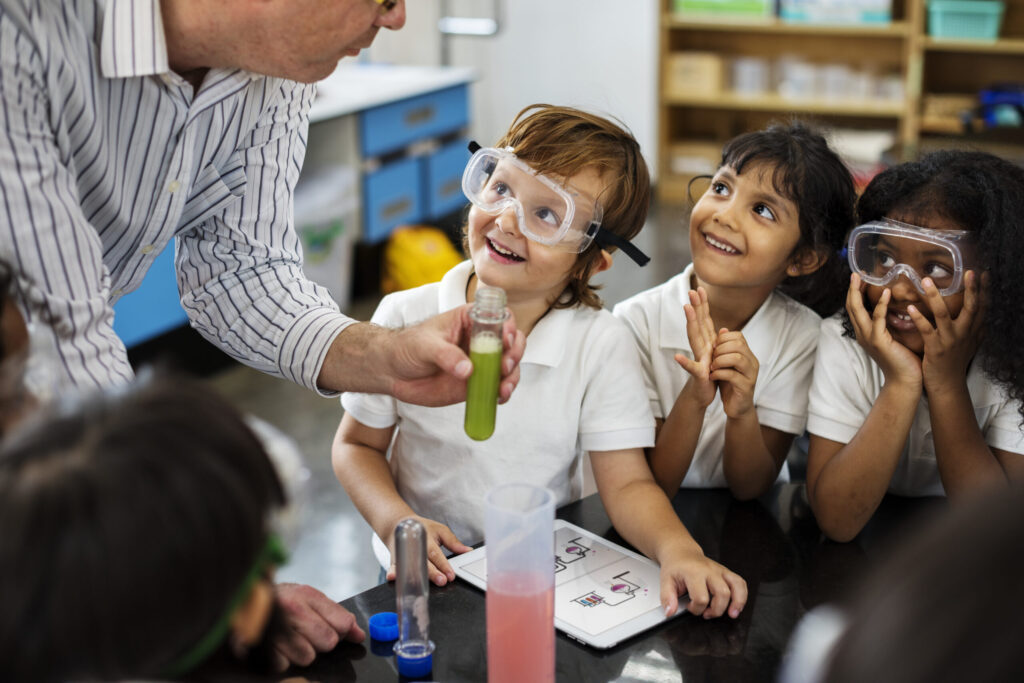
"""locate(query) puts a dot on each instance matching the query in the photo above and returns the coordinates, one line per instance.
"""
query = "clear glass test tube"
(485, 349)
(414, 648)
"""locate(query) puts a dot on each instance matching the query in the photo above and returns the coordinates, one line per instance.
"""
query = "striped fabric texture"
(106, 156)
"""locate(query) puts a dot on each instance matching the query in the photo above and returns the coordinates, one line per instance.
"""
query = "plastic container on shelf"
(326, 219)
(751, 76)
(965, 19)
(752, 9)
(836, 11)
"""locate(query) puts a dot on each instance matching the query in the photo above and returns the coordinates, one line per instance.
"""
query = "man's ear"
(250, 618)
(805, 262)
(604, 263)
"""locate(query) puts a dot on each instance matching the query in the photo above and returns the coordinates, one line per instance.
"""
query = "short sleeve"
(616, 412)
(1005, 431)
(637, 321)
(782, 400)
(842, 385)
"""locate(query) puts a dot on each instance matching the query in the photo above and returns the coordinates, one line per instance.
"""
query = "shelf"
(1004, 46)
(879, 108)
(895, 29)
(941, 124)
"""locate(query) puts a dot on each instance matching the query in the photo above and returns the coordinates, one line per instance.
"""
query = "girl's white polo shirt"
(580, 389)
(847, 383)
(782, 335)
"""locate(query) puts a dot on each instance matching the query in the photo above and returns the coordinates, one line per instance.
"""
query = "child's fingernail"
(734, 613)
(927, 282)
(464, 368)
(508, 365)
(669, 611)
(439, 580)
(911, 309)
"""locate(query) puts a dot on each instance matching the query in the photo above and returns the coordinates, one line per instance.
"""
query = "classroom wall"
(596, 54)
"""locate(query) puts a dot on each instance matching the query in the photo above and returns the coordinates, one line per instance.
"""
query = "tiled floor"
(333, 551)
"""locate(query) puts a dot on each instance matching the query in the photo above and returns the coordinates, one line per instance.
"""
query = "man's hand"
(429, 365)
(425, 364)
(312, 623)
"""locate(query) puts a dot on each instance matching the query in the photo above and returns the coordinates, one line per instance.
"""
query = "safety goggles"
(881, 251)
(547, 211)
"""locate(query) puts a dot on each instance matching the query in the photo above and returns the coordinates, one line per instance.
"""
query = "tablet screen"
(599, 586)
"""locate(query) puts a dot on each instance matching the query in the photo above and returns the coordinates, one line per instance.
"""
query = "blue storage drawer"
(153, 308)
(392, 196)
(393, 126)
(443, 179)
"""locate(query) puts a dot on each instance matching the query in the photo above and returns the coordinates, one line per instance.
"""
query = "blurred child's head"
(135, 536)
(600, 164)
(775, 214)
(962, 191)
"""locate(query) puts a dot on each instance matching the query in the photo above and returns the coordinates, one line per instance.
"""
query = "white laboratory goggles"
(881, 251)
(547, 211)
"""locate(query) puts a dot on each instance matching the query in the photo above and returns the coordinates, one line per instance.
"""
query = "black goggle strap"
(607, 238)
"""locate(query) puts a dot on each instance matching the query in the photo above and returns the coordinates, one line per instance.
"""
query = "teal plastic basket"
(969, 19)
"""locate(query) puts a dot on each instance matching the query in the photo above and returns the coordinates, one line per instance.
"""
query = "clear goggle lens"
(546, 211)
(881, 251)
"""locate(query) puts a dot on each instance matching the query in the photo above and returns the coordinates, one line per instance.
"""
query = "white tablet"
(603, 592)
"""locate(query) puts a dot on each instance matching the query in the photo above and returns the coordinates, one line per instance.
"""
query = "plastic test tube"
(488, 315)
(414, 648)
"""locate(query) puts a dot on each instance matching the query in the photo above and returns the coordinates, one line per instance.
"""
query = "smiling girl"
(559, 192)
(727, 353)
(926, 400)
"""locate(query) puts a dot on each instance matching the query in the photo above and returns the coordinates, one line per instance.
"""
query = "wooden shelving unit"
(927, 67)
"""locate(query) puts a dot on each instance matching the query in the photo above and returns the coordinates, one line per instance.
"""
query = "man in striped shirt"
(126, 123)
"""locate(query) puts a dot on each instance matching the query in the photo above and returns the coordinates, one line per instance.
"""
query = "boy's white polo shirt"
(847, 383)
(580, 389)
(782, 335)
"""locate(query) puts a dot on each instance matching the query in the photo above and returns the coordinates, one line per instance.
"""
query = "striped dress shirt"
(106, 155)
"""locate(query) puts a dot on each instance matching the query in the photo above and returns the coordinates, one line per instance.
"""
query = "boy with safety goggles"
(559, 192)
(927, 399)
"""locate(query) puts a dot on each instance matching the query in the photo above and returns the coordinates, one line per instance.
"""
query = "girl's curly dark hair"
(809, 173)
(985, 194)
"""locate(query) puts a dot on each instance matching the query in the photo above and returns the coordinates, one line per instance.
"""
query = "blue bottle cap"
(384, 626)
(416, 661)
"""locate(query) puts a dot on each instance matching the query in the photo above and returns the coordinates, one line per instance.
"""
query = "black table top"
(774, 543)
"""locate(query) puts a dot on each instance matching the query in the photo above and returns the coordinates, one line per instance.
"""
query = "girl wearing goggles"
(558, 193)
(728, 355)
(922, 393)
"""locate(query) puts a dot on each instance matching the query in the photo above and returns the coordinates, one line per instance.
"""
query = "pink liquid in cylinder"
(520, 630)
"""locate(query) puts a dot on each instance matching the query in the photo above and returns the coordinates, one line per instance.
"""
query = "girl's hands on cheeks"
(951, 343)
(734, 368)
(700, 331)
(898, 363)
(713, 590)
(438, 570)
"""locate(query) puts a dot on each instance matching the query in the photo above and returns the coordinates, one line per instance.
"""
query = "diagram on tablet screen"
(597, 587)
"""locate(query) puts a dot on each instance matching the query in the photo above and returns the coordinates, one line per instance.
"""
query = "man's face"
(304, 39)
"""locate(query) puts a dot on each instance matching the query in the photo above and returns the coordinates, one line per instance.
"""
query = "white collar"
(672, 331)
(133, 43)
(546, 343)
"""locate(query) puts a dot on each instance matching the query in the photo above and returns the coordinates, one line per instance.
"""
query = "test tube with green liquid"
(485, 348)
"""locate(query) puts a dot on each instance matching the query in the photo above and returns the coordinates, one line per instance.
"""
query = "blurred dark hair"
(949, 606)
(128, 523)
(806, 171)
(982, 193)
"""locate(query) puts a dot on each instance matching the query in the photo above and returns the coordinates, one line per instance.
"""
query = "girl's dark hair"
(128, 523)
(947, 606)
(985, 194)
(563, 141)
(806, 171)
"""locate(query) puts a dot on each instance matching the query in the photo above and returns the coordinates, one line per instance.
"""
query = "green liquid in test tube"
(485, 348)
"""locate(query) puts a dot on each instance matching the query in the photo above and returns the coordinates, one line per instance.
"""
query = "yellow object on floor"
(417, 255)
